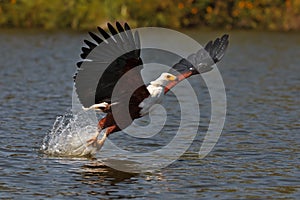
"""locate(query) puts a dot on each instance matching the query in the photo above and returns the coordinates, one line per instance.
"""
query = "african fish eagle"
(95, 80)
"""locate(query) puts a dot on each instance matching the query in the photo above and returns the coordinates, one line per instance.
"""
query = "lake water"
(256, 157)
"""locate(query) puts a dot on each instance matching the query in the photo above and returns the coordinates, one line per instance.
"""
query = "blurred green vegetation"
(87, 14)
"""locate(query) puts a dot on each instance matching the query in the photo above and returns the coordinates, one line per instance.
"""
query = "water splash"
(69, 135)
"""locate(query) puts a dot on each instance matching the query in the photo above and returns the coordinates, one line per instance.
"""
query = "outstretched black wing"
(203, 60)
(104, 61)
(200, 62)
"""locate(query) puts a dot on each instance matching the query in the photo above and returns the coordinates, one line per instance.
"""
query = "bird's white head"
(163, 79)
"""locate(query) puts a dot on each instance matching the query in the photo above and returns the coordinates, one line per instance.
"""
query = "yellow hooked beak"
(171, 77)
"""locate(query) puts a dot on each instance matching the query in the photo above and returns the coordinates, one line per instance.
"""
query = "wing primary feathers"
(74, 76)
(223, 45)
(85, 49)
(79, 64)
(217, 48)
(118, 39)
(90, 44)
(127, 28)
(203, 60)
(221, 48)
(83, 55)
(103, 32)
(214, 49)
(119, 27)
(128, 33)
(112, 29)
(115, 34)
(85, 52)
(208, 46)
(95, 37)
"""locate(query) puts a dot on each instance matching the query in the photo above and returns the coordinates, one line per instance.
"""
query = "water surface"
(257, 156)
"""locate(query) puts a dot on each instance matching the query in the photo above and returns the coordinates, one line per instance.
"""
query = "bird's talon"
(92, 141)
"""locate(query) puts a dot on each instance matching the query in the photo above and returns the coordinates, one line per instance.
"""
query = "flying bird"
(108, 77)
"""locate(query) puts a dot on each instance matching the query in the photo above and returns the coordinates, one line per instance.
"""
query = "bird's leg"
(94, 139)
(99, 143)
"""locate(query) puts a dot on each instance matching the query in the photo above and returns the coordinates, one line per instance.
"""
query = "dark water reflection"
(257, 156)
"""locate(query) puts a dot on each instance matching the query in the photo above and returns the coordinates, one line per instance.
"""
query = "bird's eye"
(168, 76)
(191, 68)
